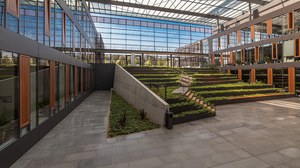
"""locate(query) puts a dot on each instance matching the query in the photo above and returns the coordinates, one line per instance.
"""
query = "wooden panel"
(291, 20)
(253, 76)
(231, 57)
(24, 90)
(252, 29)
(67, 76)
(12, 7)
(64, 28)
(239, 36)
(269, 26)
(240, 75)
(81, 79)
(274, 51)
(243, 55)
(228, 39)
(296, 47)
(47, 17)
(221, 59)
(212, 59)
(76, 81)
(291, 73)
(52, 85)
(256, 54)
(270, 76)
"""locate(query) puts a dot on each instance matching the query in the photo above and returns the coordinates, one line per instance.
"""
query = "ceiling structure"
(190, 11)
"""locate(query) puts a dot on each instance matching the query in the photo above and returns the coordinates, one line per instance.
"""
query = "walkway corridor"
(67, 145)
(247, 135)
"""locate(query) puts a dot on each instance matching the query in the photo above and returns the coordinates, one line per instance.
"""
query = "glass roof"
(179, 8)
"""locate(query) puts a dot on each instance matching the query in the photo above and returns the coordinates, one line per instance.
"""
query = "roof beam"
(259, 2)
(119, 3)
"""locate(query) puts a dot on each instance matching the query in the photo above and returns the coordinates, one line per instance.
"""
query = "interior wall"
(103, 76)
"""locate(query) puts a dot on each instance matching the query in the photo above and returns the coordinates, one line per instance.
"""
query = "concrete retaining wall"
(140, 96)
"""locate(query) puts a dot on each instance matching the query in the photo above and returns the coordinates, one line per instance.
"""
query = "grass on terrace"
(133, 118)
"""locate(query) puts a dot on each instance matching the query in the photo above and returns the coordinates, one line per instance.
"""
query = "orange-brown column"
(76, 81)
(240, 74)
(228, 72)
(270, 76)
(291, 72)
(24, 90)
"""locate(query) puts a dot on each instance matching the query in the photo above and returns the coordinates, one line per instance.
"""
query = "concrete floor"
(249, 135)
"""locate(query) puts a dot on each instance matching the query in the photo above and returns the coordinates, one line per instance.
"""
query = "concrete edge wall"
(140, 96)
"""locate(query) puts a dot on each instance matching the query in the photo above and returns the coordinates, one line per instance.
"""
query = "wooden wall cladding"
(240, 75)
(13, 7)
(252, 29)
(291, 78)
(297, 47)
(24, 90)
(212, 59)
(290, 20)
(52, 85)
(256, 54)
(239, 36)
(221, 59)
(81, 87)
(231, 57)
(228, 40)
(274, 51)
(67, 80)
(243, 55)
(269, 27)
(253, 76)
(76, 81)
(270, 76)
(47, 17)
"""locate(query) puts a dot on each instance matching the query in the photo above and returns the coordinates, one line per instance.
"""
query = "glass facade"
(131, 33)
(64, 33)
(44, 80)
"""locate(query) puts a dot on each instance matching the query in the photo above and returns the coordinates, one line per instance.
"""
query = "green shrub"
(132, 122)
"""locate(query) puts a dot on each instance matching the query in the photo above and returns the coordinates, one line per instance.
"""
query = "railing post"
(169, 120)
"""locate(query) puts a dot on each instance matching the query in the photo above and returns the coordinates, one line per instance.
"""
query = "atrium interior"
(149, 83)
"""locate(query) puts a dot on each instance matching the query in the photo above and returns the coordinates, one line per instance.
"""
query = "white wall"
(140, 96)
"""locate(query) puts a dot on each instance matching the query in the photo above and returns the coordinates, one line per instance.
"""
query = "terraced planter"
(192, 117)
(230, 88)
(179, 109)
(231, 93)
(250, 99)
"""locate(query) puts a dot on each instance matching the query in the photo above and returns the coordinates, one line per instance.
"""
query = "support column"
(291, 72)
(228, 72)
(240, 75)
(168, 61)
(253, 76)
(270, 76)
(142, 62)
(132, 59)
(179, 61)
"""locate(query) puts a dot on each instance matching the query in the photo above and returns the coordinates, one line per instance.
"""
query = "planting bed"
(217, 89)
(159, 80)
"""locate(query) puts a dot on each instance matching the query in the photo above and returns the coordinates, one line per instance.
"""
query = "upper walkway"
(263, 134)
